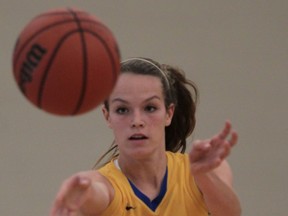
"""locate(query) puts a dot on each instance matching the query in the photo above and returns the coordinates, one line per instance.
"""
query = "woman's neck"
(146, 174)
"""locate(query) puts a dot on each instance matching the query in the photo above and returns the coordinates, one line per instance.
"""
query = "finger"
(226, 130)
(80, 183)
(197, 168)
(65, 212)
(201, 145)
(73, 198)
(218, 139)
(60, 212)
(234, 138)
(199, 149)
(71, 192)
(67, 185)
(227, 145)
(225, 150)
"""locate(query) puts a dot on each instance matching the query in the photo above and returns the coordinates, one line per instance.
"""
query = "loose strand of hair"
(114, 149)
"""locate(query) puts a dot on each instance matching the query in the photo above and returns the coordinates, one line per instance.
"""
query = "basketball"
(66, 61)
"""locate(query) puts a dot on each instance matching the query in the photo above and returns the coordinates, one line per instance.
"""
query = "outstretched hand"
(208, 154)
(72, 195)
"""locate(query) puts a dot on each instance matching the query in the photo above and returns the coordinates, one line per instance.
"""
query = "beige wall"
(236, 51)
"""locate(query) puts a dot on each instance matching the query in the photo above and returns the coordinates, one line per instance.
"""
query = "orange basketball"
(66, 61)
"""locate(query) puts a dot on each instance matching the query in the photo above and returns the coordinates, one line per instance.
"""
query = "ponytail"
(185, 95)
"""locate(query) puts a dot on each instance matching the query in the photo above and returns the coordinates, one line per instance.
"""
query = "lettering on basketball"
(32, 60)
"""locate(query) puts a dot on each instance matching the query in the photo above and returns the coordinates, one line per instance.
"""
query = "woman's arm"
(86, 193)
(218, 192)
(212, 173)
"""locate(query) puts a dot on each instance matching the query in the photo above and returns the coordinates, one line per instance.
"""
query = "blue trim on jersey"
(155, 202)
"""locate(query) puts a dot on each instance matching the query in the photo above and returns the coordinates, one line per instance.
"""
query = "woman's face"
(137, 115)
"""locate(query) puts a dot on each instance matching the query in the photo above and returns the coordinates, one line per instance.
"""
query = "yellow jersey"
(182, 195)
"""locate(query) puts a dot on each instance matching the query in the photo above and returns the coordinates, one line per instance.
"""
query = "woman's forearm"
(220, 198)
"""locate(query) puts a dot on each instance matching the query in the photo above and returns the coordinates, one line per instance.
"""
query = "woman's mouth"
(138, 137)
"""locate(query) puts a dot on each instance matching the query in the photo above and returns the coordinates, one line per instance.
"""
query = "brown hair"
(177, 90)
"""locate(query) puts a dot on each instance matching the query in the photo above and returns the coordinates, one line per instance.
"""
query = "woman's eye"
(121, 110)
(150, 108)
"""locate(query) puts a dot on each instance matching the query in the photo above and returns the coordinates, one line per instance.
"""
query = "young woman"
(152, 112)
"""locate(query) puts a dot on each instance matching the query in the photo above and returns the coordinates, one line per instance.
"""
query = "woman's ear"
(169, 114)
(106, 115)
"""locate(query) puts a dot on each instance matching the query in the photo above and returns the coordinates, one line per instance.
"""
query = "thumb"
(200, 147)
(78, 192)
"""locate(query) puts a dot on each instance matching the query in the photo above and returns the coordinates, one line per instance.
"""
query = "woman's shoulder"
(177, 157)
(178, 163)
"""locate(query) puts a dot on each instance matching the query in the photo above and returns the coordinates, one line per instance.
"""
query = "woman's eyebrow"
(126, 102)
(119, 100)
(153, 97)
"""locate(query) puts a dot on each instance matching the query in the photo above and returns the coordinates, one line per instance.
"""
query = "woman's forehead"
(138, 81)
(135, 85)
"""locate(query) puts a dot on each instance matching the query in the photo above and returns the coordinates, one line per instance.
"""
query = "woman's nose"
(137, 120)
